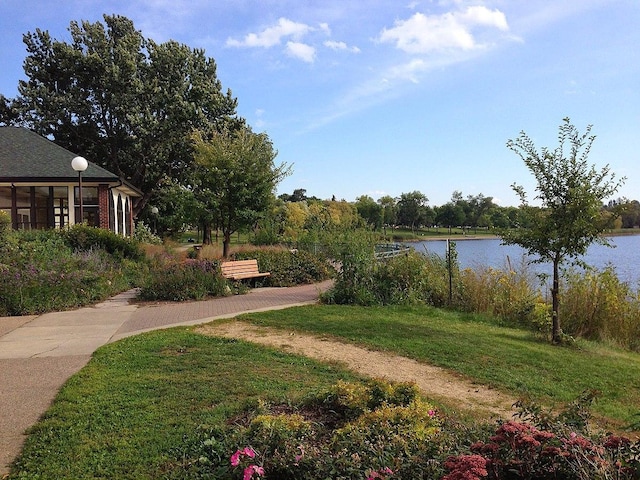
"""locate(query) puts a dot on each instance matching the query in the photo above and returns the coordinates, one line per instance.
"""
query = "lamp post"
(80, 164)
(154, 211)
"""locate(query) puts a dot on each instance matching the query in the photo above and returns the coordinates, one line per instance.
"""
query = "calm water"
(625, 257)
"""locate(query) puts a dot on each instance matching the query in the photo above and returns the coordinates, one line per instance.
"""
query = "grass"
(512, 360)
(136, 408)
(128, 412)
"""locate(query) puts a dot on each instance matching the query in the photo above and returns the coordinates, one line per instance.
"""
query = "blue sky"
(385, 97)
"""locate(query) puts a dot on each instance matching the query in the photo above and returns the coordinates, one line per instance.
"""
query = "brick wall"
(103, 205)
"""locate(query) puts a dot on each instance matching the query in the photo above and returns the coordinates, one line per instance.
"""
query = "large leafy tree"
(237, 176)
(412, 209)
(570, 193)
(370, 211)
(123, 101)
(450, 215)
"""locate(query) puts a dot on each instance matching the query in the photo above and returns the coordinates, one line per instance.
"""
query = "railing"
(390, 250)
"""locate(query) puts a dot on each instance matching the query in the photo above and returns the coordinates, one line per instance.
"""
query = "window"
(90, 205)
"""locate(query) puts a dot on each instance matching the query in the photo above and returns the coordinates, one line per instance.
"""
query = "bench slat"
(241, 269)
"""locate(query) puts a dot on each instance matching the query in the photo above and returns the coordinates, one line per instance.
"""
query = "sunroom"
(39, 187)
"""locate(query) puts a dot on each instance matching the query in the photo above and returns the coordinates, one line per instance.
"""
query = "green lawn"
(135, 411)
(510, 359)
(138, 402)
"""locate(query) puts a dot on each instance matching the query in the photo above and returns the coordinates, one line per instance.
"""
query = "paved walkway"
(39, 353)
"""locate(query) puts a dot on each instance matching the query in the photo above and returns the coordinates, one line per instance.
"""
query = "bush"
(39, 272)
(5, 224)
(398, 437)
(408, 279)
(548, 446)
(143, 234)
(188, 280)
(287, 267)
(598, 306)
(508, 294)
(84, 238)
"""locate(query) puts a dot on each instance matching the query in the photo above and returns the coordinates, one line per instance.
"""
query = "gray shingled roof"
(26, 156)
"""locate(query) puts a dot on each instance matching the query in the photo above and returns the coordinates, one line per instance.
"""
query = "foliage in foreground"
(192, 279)
(176, 405)
(548, 446)
(287, 267)
(43, 271)
(351, 430)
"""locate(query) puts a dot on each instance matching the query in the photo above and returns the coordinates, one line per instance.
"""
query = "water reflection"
(624, 257)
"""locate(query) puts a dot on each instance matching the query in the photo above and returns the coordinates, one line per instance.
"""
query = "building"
(40, 189)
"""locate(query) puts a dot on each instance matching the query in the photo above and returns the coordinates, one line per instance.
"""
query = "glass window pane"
(5, 197)
(23, 196)
(89, 195)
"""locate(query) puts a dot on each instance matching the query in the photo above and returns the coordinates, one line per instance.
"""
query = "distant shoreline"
(461, 237)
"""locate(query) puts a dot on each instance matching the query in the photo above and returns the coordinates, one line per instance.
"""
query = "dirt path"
(434, 382)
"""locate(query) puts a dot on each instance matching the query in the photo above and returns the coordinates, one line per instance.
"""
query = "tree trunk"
(206, 233)
(226, 243)
(556, 331)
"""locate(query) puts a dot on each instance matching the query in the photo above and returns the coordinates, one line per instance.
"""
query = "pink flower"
(251, 470)
(246, 451)
(380, 473)
(431, 413)
(301, 456)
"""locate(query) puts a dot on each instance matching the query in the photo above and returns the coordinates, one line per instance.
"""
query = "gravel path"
(435, 382)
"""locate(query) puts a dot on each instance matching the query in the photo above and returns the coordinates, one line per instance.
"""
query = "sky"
(384, 97)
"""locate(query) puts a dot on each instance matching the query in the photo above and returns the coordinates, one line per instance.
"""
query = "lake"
(625, 257)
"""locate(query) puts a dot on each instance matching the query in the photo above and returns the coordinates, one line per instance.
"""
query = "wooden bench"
(241, 269)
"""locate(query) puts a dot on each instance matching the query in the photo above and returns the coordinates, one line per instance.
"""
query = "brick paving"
(160, 315)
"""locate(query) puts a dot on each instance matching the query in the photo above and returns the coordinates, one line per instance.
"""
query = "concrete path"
(38, 354)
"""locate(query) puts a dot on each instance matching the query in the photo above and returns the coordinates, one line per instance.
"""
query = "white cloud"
(272, 36)
(340, 46)
(422, 33)
(325, 28)
(483, 16)
(301, 51)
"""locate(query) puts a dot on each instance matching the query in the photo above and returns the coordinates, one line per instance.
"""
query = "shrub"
(312, 440)
(596, 305)
(40, 273)
(508, 294)
(390, 436)
(410, 278)
(287, 267)
(5, 224)
(143, 234)
(188, 280)
(354, 283)
(548, 446)
(82, 237)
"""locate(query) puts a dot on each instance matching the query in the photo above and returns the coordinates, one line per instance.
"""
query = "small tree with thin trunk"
(571, 194)
(237, 177)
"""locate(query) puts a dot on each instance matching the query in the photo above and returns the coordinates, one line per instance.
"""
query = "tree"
(389, 211)
(124, 102)
(571, 195)
(450, 215)
(411, 209)
(370, 211)
(238, 175)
